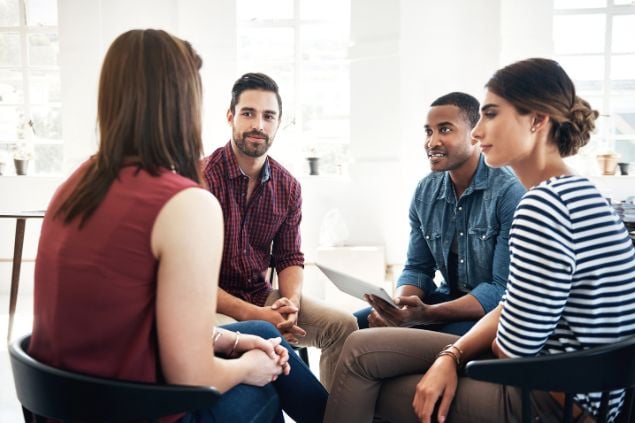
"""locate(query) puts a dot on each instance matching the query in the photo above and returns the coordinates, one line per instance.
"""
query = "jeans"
(455, 328)
(299, 394)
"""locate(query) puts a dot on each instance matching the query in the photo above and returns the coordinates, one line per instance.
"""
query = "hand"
(289, 311)
(289, 331)
(262, 369)
(251, 342)
(412, 312)
(283, 355)
(439, 382)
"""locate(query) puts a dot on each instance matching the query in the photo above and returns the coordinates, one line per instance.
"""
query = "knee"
(259, 327)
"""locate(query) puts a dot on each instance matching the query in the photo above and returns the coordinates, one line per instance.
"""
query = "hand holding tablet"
(356, 287)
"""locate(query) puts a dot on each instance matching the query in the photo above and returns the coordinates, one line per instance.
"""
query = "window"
(594, 42)
(30, 93)
(303, 45)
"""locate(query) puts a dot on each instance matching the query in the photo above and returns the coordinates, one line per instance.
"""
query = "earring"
(533, 129)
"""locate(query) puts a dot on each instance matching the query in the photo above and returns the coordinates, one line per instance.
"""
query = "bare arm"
(187, 241)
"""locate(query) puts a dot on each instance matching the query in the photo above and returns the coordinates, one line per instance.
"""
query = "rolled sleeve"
(287, 242)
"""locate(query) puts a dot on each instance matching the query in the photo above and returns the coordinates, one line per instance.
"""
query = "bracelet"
(235, 345)
(458, 358)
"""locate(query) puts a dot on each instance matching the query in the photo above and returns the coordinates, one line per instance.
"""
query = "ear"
(230, 116)
(538, 122)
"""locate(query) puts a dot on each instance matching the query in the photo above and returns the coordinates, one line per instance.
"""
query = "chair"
(45, 391)
(598, 369)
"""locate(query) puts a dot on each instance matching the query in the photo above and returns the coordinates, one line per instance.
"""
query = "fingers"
(282, 302)
(290, 338)
(410, 301)
(375, 320)
(444, 406)
(286, 309)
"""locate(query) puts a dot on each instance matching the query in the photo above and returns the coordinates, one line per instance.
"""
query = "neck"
(251, 166)
(462, 176)
(543, 163)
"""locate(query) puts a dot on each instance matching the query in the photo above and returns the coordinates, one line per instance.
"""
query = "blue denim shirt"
(481, 221)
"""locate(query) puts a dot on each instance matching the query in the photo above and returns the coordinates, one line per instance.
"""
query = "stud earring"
(533, 129)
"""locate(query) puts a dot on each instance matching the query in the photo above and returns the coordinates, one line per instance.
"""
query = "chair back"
(599, 369)
(67, 396)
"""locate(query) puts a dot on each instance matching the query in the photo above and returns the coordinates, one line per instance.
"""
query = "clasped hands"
(412, 312)
(273, 357)
(283, 313)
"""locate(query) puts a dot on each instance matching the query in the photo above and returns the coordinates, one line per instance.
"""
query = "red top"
(95, 288)
(272, 215)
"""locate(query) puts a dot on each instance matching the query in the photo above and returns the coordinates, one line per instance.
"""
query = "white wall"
(404, 54)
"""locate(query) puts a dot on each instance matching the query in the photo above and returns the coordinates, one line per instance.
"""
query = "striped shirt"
(272, 216)
(572, 276)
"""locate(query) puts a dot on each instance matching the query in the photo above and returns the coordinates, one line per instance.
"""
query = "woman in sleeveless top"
(129, 255)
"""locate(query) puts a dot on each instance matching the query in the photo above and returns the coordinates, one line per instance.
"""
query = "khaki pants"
(380, 368)
(326, 328)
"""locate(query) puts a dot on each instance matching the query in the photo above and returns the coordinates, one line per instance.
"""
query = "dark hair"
(254, 81)
(469, 105)
(149, 107)
(542, 86)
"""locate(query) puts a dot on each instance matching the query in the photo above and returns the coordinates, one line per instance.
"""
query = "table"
(20, 225)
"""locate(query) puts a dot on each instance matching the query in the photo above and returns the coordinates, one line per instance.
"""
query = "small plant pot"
(314, 168)
(623, 168)
(21, 166)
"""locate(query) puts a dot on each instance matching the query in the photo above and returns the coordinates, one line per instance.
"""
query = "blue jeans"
(455, 328)
(299, 394)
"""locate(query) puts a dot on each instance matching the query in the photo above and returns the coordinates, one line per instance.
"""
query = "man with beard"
(460, 218)
(261, 204)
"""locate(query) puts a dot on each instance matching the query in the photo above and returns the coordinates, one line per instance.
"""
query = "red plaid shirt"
(273, 214)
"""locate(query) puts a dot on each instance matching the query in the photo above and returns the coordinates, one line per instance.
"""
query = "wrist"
(453, 352)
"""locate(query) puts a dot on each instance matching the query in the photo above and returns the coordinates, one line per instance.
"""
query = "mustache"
(256, 134)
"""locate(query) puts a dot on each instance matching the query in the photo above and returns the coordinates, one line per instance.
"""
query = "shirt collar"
(235, 171)
(479, 180)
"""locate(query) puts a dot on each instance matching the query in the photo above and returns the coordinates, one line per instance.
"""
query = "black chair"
(599, 369)
(46, 391)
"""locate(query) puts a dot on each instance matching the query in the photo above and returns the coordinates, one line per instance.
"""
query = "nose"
(258, 123)
(477, 132)
(433, 140)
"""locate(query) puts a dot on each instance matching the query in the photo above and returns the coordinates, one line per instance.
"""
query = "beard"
(250, 149)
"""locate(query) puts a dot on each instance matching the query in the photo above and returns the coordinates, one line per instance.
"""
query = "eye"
(490, 114)
(445, 130)
(246, 114)
(428, 132)
(269, 116)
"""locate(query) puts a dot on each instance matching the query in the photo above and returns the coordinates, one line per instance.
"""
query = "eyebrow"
(488, 106)
(446, 123)
(251, 109)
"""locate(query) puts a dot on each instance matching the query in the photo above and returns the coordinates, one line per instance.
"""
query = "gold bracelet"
(235, 345)
(449, 353)
(447, 350)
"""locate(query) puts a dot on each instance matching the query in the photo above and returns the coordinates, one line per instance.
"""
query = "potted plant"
(22, 154)
(314, 161)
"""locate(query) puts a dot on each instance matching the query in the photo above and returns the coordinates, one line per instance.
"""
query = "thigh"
(242, 403)
(323, 323)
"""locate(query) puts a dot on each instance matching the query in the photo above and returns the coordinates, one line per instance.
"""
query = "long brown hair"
(149, 108)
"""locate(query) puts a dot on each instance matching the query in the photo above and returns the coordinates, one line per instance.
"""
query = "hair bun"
(575, 133)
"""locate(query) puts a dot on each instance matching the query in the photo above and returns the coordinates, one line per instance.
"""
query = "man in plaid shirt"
(261, 204)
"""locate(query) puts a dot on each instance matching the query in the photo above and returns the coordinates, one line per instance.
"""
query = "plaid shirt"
(273, 214)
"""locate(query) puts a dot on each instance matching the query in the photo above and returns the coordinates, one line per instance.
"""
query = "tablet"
(355, 287)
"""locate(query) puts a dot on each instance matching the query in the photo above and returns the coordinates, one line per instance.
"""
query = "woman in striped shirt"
(571, 284)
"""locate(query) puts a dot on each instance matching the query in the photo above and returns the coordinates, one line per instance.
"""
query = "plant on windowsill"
(23, 149)
(314, 161)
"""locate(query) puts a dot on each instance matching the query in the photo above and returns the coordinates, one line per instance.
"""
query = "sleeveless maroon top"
(95, 288)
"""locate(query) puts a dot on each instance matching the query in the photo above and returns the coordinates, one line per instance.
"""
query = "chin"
(494, 162)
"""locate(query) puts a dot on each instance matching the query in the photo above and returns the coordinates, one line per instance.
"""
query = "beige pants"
(326, 328)
(380, 368)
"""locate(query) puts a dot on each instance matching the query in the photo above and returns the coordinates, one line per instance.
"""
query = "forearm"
(236, 308)
(478, 340)
(465, 308)
(290, 283)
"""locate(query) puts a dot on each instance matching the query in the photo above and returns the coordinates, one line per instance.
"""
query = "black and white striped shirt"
(571, 277)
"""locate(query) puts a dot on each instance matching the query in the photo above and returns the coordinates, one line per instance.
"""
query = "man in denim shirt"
(460, 218)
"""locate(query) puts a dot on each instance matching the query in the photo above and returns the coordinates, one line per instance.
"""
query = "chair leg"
(568, 408)
(303, 352)
(526, 404)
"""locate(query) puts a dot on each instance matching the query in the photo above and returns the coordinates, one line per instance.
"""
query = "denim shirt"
(481, 220)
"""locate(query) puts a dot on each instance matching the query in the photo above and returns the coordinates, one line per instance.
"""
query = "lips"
(436, 154)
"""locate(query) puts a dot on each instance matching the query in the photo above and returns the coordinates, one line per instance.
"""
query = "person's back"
(95, 287)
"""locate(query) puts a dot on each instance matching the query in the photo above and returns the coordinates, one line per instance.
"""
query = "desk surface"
(24, 214)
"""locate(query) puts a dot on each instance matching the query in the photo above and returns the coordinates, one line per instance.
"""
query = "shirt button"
(460, 208)
(461, 261)
(482, 236)
(244, 251)
(249, 280)
(427, 236)
(461, 233)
